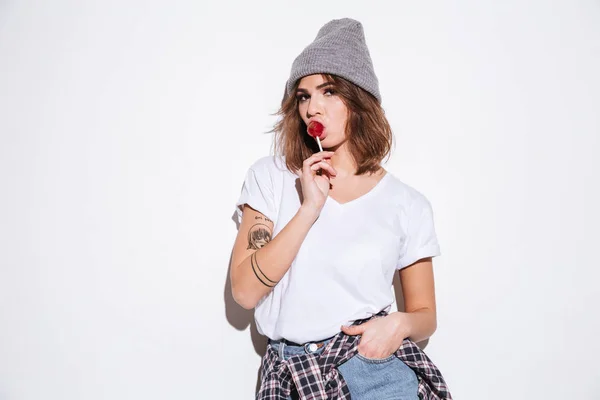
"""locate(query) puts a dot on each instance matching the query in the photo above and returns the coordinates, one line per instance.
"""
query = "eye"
(331, 92)
(301, 97)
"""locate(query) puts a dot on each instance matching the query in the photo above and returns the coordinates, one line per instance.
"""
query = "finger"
(320, 156)
(306, 166)
(313, 159)
(325, 166)
(353, 329)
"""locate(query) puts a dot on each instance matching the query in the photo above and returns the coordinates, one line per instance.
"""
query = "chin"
(330, 142)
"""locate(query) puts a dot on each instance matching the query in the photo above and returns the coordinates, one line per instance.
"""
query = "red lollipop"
(315, 129)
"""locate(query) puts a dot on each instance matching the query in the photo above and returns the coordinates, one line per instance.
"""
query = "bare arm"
(383, 336)
(418, 289)
(258, 263)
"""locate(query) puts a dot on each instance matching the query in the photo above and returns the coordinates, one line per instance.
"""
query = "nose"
(315, 106)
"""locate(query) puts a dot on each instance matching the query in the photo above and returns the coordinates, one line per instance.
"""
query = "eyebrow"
(322, 85)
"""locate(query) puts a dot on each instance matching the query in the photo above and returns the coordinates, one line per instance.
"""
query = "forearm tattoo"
(255, 267)
(258, 236)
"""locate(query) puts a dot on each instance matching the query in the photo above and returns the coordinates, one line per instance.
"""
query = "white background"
(127, 128)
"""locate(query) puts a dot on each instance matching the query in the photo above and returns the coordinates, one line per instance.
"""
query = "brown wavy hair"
(368, 131)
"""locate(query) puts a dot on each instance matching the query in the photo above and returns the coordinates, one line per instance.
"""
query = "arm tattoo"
(258, 236)
(266, 219)
(255, 267)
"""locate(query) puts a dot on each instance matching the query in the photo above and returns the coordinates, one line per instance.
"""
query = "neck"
(342, 160)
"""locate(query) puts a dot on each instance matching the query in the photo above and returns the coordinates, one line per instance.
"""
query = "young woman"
(322, 233)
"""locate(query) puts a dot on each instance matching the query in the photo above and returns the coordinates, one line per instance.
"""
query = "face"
(318, 101)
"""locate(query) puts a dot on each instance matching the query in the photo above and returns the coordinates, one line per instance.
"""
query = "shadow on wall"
(240, 318)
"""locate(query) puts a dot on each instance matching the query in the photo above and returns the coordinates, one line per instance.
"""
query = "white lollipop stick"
(320, 171)
(319, 142)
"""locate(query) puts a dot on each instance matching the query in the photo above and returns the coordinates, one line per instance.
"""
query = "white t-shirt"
(345, 266)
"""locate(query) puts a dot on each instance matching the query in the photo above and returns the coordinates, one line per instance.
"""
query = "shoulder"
(269, 162)
(269, 166)
(406, 196)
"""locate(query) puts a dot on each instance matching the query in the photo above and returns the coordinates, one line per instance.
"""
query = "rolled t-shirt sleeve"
(258, 192)
(421, 240)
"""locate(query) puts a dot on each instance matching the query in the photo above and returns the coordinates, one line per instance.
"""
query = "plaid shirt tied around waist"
(316, 376)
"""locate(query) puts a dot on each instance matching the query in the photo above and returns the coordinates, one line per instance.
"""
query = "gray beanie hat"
(339, 49)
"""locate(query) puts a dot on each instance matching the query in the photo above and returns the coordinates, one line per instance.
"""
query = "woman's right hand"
(315, 188)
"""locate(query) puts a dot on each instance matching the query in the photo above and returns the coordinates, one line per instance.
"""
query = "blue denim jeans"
(382, 379)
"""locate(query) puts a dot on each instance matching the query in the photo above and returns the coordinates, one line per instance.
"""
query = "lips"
(315, 129)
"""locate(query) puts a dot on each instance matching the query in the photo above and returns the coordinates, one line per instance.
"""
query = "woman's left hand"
(381, 336)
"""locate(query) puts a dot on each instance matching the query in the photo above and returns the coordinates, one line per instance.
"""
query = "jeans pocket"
(375, 360)
(383, 378)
